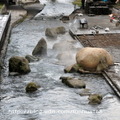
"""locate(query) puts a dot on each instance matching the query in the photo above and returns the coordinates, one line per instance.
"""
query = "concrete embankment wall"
(5, 23)
(14, 17)
(4, 32)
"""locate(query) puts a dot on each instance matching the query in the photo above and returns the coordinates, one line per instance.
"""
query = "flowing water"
(53, 100)
(55, 9)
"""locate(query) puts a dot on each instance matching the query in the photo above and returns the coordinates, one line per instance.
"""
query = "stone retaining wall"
(13, 19)
(4, 32)
(4, 40)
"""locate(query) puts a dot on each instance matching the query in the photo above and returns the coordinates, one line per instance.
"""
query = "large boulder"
(53, 32)
(31, 87)
(41, 48)
(60, 30)
(19, 64)
(93, 59)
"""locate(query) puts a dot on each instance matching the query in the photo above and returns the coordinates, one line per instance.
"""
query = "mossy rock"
(51, 32)
(95, 99)
(60, 30)
(31, 87)
(68, 69)
(65, 78)
(19, 64)
(40, 49)
(75, 67)
(72, 68)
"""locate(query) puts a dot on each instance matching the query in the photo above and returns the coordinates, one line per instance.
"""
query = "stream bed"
(53, 100)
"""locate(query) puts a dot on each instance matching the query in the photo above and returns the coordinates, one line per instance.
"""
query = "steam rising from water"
(66, 51)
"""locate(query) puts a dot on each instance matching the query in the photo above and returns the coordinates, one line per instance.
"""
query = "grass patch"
(77, 2)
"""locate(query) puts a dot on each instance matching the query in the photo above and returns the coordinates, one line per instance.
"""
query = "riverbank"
(18, 14)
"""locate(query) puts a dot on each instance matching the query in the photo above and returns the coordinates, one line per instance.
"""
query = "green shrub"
(1, 5)
(77, 2)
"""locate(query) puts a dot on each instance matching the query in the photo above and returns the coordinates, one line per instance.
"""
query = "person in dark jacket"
(83, 4)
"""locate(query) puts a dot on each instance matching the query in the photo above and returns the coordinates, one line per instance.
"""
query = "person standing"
(83, 4)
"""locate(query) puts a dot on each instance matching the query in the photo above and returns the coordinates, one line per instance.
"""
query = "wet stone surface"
(3, 20)
(53, 100)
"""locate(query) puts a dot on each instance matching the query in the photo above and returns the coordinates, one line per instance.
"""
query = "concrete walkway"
(20, 12)
(17, 13)
(33, 9)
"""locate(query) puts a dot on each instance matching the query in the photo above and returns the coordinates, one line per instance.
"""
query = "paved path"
(17, 13)
(33, 9)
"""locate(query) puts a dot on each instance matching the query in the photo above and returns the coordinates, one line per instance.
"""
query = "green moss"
(24, 69)
(75, 67)
(13, 62)
(77, 2)
(1, 5)
(31, 87)
(95, 99)
(72, 68)
(19, 64)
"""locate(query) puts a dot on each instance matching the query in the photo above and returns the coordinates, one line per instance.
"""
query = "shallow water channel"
(53, 100)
